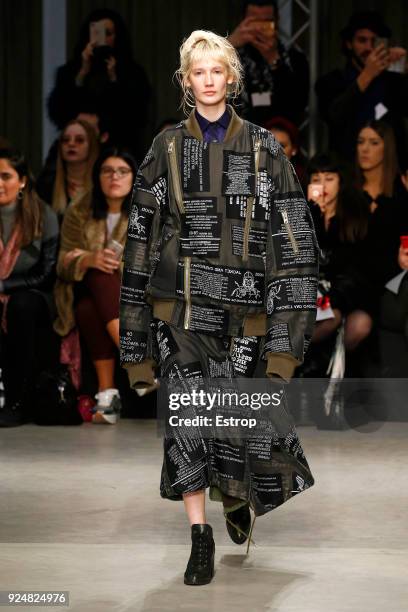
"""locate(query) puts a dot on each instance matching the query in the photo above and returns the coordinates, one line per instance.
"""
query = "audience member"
(377, 177)
(28, 254)
(87, 291)
(287, 134)
(341, 221)
(77, 151)
(364, 89)
(394, 302)
(102, 73)
(276, 79)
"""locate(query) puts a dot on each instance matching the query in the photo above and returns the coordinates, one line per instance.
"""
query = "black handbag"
(56, 399)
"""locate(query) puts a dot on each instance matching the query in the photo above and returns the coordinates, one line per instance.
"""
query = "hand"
(87, 54)
(70, 255)
(111, 68)
(396, 53)
(266, 44)
(403, 258)
(377, 62)
(244, 33)
(103, 260)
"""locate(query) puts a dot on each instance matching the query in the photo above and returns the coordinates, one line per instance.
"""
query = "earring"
(20, 194)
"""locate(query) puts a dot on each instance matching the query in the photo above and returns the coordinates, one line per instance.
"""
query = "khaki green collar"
(234, 127)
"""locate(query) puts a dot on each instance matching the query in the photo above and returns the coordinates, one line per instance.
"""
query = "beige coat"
(79, 231)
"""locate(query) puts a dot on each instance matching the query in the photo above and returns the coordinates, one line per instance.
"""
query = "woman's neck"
(114, 205)
(211, 113)
(8, 209)
(373, 181)
(76, 171)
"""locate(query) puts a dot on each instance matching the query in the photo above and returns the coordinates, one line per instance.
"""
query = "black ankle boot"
(238, 524)
(200, 567)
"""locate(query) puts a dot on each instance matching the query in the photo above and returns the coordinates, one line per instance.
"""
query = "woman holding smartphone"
(89, 271)
(341, 221)
(103, 75)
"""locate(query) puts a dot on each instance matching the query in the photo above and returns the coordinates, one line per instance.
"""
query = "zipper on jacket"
(175, 175)
(292, 238)
(250, 205)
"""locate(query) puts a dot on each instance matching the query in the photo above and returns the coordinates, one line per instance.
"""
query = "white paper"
(395, 283)
(380, 110)
(261, 98)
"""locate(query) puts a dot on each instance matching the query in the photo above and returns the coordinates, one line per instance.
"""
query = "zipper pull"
(291, 236)
(170, 147)
(257, 145)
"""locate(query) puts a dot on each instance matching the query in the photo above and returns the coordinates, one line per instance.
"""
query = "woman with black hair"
(103, 74)
(89, 275)
(28, 254)
(341, 220)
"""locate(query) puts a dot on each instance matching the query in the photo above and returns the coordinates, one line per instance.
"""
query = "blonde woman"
(213, 234)
(78, 149)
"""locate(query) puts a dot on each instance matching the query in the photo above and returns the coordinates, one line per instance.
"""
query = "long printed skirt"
(265, 471)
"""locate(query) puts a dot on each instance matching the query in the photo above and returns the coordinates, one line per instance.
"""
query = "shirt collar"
(223, 121)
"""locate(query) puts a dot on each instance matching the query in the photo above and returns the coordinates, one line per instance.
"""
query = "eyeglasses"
(121, 172)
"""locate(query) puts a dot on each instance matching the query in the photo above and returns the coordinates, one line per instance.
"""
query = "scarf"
(8, 257)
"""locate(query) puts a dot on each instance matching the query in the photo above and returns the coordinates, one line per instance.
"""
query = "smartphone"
(381, 41)
(266, 27)
(116, 247)
(404, 242)
(314, 191)
(97, 33)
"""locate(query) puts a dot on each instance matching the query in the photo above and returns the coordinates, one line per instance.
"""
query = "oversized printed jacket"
(220, 241)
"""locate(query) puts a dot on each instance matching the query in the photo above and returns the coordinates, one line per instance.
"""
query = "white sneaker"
(108, 408)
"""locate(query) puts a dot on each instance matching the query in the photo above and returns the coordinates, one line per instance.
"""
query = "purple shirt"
(214, 131)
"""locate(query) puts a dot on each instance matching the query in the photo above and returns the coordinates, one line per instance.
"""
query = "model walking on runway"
(219, 281)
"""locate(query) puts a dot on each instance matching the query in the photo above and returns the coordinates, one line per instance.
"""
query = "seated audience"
(387, 201)
(276, 79)
(341, 220)
(103, 74)
(394, 302)
(77, 151)
(364, 89)
(287, 134)
(89, 269)
(28, 254)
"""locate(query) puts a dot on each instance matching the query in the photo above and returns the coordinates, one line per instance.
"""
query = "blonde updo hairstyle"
(202, 44)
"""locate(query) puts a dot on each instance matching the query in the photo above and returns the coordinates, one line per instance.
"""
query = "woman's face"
(331, 185)
(110, 32)
(370, 149)
(10, 183)
(284, 140)
(208, 80)
(75, 144)
(116, 177)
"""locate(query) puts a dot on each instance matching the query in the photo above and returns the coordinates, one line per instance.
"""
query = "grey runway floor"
(80, 511)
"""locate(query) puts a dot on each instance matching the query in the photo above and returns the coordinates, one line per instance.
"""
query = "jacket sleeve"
(291, 274)
(42, 274)
(144, 230)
